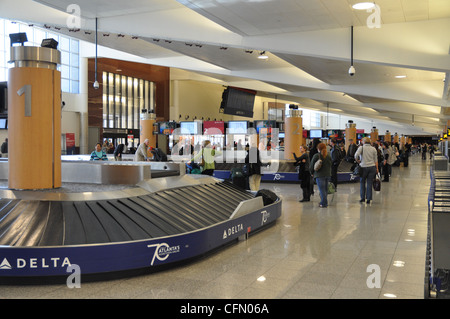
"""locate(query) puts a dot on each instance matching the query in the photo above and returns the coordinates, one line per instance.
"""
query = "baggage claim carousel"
(124, 219)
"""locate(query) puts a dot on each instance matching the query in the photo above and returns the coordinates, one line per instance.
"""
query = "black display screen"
(237, 101)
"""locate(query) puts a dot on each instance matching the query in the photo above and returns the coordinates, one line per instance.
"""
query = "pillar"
(293, 133)
(374, 134)
(395, 138)
(34, 115)
(387, 136)
(350, 134)
(146, 130)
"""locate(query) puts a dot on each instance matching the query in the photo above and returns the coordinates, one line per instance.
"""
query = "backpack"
(392, 157)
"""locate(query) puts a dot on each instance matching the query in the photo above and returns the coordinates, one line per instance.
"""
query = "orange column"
(293, 133)
(350, 134)
(395, 138)
(146, 131)
(374, 134)
(34, 126)
(387, 136)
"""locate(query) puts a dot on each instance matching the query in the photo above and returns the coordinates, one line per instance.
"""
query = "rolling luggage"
(268, 196)
(238, 177)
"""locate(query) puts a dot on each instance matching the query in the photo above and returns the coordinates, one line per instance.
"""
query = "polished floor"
(348, 250)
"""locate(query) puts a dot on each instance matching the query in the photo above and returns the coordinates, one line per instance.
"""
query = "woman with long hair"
(322, 172)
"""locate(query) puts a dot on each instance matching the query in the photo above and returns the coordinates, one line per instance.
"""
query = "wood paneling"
(157, 74)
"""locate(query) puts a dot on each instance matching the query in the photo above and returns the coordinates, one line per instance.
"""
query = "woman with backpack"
(320, 166)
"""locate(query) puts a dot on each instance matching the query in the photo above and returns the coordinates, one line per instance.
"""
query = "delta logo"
(34, 263)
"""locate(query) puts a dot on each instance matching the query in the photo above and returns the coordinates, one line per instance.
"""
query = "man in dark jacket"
(336, 158)
(120, 149)
(351, 151)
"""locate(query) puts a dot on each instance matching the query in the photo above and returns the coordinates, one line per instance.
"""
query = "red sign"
(213, 127)
(70, 140)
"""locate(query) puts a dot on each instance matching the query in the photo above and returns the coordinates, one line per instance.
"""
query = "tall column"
(350, 134)
(34, 115)
(374, 134)
(146, 130)
(387, 136)
(395, 138)
(402, 141)
(293, 133)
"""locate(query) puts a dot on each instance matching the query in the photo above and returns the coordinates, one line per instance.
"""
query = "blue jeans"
(322, 184)
(366, 181)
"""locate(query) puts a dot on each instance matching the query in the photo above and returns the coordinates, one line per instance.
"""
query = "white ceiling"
(308, 43)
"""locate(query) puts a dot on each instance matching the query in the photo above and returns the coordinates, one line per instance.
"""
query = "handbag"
(331, 189)
(377, 183)
(318, 164)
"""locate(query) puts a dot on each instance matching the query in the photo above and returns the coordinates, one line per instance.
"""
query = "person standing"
(351, 151)
(253, 162)
(385, 162)
(367, 156)
(322, 175)
(424, 151)
(304, 175)
(207, 154)
(98, 154)
(312, 152)
(335, 153)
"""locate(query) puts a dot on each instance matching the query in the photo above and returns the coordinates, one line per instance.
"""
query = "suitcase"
(268, 196)
(238, 178)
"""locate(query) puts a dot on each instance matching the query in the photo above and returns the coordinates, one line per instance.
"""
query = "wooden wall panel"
(158, 74)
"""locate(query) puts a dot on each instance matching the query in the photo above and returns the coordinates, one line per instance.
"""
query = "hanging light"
(96, 84)
(351, 70)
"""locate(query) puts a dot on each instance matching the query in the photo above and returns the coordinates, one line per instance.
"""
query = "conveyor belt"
(162, 213)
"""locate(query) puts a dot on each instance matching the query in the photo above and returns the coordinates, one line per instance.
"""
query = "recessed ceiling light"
(363, 5)
(400, 76)
(261, 279)
(390, 295)
(263, 55)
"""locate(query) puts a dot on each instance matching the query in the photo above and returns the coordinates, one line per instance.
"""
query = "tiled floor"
(310, 252)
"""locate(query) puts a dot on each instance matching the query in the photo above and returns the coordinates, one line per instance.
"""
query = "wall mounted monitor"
(237, 127)
(315, 134)
(334, 133)
(238, 101)
(3, 124)
(264, 124)
(213, 127)
(166, 127)
(190, 128)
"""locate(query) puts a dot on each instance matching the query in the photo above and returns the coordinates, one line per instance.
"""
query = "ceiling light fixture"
(263, 56)
(351, 70)
(363, 5)
(400, 76)
(96, 84)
